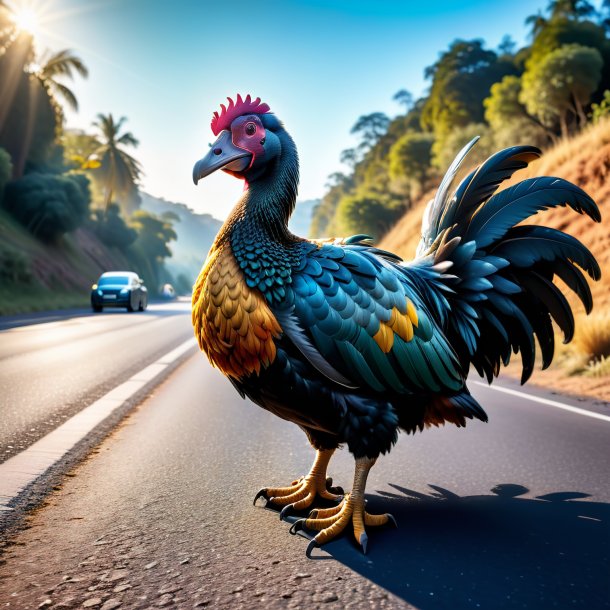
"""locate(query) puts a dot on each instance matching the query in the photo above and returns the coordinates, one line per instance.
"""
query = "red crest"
(235, 109)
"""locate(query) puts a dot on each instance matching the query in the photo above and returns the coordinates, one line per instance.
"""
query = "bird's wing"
(360, 321)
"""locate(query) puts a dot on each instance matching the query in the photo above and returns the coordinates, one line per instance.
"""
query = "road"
(50, 370)
(510, 514)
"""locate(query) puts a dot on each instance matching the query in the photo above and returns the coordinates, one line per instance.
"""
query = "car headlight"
(100, 292)
(124, 290)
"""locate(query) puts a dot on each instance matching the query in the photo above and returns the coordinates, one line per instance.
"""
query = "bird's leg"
(300, 494)
(332, 521)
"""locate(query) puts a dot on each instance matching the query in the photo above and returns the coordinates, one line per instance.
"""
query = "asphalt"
(54, 364)
(510, 514)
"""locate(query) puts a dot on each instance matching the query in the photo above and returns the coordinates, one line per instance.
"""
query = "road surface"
(50, 370)
(510, 514)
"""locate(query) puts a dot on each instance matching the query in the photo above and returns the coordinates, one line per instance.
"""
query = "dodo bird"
(350, 342)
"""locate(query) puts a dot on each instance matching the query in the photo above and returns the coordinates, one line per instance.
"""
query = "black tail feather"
(502, 275)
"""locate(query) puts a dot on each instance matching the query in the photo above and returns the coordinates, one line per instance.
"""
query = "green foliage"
(110, 227)
(368, 213)
(6, 170)
(151, 245)
(459, 137)
(560, 85)
(509, 120)
(410, 160)
(14, 266)
(370, 127)
(601, 110)
(48, 205)
(119, 171)
(461, 80)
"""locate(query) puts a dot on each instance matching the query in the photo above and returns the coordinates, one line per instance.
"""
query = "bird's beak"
(223, 154)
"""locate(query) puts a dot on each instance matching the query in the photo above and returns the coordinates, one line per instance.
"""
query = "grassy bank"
(36, 276)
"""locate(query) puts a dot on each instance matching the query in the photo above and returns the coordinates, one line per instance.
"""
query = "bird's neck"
(257, 229)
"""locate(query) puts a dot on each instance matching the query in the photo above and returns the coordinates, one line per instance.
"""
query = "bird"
(352, 343)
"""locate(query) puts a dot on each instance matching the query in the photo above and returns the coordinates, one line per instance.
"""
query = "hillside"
(195, 235)
(35, 276)
(584, 160)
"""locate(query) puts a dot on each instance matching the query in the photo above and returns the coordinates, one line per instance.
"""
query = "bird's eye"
(250, 129)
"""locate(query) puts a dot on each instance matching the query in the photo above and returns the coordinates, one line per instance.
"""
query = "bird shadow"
(500, 550)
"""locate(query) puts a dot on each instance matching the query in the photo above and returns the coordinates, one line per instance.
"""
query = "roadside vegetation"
(69, 201)
(553, 93)
(540, 94)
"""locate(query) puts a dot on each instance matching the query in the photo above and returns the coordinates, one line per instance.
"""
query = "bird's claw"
(391, 518)
(310, 547)
(261, 493)
(287, 510)
(297, 526)
(364, 540)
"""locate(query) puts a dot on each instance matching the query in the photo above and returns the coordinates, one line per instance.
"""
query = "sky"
(167, 66)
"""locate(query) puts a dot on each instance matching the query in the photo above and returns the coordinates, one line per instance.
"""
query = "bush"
(368, 213)
(112, 229)
(48, 205)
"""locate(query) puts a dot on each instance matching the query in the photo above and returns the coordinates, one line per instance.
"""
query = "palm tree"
(119, 170)
(57, 65)
(31, 114)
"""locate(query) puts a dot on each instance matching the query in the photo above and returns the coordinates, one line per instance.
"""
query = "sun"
(26, 20)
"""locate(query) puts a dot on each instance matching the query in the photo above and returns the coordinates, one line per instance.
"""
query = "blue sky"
(319, 65)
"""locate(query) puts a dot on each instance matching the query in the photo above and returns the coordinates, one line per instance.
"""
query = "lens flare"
(26, 20)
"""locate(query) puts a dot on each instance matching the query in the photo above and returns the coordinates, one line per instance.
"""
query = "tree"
(54, 67)
(461, 80)
(369, 213)
(349, 156)
(508, 118)
(370, 127)
(112, 229)
(571, 9)
(151, 245)
(410, 160)
(404, 98)
(119, 171)
(507, 45)
(561, 84)
(459, 137)
(601, 110)
(48, 205)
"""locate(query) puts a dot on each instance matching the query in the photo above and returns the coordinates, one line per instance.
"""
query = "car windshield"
(115, 280)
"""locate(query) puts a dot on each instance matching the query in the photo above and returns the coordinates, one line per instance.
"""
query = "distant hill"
(301, 218)
(195, 235)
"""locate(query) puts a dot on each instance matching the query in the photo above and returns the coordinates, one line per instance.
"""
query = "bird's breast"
(232, 322)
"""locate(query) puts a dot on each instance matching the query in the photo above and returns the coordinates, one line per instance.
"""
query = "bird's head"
(246, 143)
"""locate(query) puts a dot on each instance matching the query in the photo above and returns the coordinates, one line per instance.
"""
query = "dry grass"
(585, 161)
(592, 337)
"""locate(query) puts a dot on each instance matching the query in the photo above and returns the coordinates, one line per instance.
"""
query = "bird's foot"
(302, 493)
(330, 522)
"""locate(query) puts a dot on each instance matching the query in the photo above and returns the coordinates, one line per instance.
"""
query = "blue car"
(119, 289)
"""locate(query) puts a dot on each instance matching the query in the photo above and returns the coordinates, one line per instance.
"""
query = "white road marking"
(24, 468)
(544, 401)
